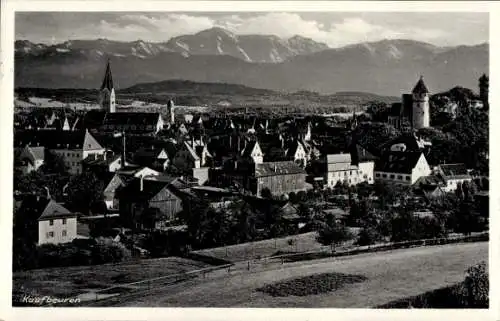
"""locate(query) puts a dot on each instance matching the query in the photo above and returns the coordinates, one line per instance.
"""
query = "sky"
(336, 29)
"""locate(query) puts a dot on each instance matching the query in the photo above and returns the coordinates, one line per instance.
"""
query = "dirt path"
(391, 275)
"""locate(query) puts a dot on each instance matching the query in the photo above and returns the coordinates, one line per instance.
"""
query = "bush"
(367, 236)
(109, 251)
(311, 285)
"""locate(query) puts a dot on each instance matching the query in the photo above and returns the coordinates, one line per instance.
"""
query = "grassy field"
(73, 281)
(389, 276)
(254, 250)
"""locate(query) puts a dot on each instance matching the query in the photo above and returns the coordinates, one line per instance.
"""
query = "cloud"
(335, 29)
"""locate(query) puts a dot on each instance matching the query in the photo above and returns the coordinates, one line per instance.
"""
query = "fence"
(310, 255)
(121, 291)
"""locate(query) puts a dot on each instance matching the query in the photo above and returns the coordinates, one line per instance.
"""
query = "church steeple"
(107, 91)
(108, 78)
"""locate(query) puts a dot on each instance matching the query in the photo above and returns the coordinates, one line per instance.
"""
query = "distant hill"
(388, 67)
(213, 94)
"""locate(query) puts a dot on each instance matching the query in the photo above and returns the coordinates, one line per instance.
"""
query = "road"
(391, 275)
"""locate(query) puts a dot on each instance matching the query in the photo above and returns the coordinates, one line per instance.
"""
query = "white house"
(72, 146)
(296, 152)
(56, 225)
(340, 169)
(452, 175)
(401, 167)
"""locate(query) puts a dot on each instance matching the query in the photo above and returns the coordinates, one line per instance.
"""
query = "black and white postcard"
(248, 155)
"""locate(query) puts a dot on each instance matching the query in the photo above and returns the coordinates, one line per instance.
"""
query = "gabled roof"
(292, 148)
(278, 168)
(150, 188)
(398, 162)
(57, 139)
(248, 150)
(191, 151)
(107, 82)
(454, 171)
(420, 87)
(54, 210)
(338, 158)
(37, 153)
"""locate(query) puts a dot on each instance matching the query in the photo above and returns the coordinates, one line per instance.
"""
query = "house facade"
(339, 168)
(401, 167)
(149, 203)
(279, 177)
(72, 146)
(56, 225)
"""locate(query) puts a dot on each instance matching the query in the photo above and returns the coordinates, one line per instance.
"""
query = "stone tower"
(107, 92)
(171, 111)
(484, 85)
(420, 105)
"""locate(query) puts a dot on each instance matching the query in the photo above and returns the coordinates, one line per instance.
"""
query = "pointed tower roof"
(420, 87)
(108, 78)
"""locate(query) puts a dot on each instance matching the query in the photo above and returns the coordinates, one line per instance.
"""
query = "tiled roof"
(398, 162)
(247, 151)
(278, 168)
(38, 153)
(454, 170)
(151, 187)
(54, 210)
(56, 139)
(420, 87)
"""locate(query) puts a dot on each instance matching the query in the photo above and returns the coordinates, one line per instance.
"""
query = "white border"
(8, 9)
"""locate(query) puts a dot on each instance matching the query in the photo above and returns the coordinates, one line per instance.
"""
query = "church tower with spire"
(107, 92)
(420, 106)
(484, 84)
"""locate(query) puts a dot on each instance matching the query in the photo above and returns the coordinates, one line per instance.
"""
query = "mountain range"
(387, 67)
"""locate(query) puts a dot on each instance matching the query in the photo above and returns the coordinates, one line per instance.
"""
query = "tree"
(266, 193)
(53, 164)
(243, 228)
(331, 233)
(84, 191)
(468, 219)
(368, 235)
(379, 111)
(476, 287)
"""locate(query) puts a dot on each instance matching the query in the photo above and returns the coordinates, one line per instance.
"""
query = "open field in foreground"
(73, 281)
(390, 276)
(254, 250)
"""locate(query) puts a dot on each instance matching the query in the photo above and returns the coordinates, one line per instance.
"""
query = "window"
(64, 233)
(345, 173)
(64, 221)
(400, 177)
(392, 176)
(50, 234)
(51, 222)
(377, 175)
(350, 172)
(384, 175)
(407, 178)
